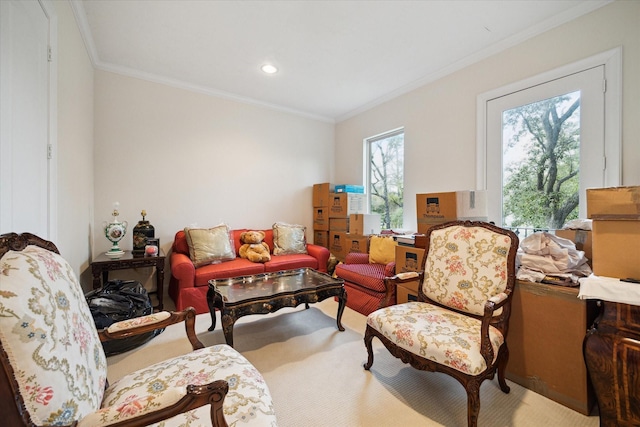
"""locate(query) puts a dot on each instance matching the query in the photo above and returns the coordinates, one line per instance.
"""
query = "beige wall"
(75, 142)
(189, 158)
(440, 117)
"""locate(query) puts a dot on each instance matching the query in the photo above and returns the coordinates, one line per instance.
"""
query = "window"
(543, 142)
(385, 177)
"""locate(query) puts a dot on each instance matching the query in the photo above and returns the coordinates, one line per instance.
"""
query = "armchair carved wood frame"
(53, 368)
(460, 322)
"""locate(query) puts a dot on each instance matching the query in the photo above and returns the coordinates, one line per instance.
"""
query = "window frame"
(367, 160)
(612, 160)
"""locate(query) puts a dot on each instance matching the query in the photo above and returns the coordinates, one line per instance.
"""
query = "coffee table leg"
(227, 327)
(213, 301)
(342, 301)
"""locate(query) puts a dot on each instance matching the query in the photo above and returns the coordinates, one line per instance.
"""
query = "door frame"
(612, 60)
(51, 173)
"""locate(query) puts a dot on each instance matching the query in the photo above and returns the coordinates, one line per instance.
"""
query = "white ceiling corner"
(336, 58)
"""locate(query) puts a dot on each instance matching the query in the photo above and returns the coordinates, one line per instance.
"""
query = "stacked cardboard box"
(321, 199)
(581, 238)
(437, 208)
(332, 207)
(616, 231)
(331, 219)
(341, 243)
(344, 204)
(408, 259)
(364, 224)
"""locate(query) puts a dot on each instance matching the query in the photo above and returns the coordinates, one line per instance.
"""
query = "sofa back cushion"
(48, 334)
(210, 245)
(180, 244)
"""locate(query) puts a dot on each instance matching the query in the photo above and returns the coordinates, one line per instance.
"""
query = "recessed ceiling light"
(269, 69)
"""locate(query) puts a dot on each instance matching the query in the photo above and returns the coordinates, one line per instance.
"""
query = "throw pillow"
(382, 249)
(210, 245)
(289, 239)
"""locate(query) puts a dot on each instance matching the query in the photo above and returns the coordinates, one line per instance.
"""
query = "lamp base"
(114, 254)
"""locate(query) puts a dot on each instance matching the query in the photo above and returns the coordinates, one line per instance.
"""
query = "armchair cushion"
(50, 338)
(465, 267)
(53, 369)
(139, 392)
(382, 249)
(444, 336)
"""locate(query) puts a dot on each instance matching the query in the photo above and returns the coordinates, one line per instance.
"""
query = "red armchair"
(367, 289)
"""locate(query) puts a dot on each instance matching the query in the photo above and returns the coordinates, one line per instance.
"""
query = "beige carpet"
(316, 377)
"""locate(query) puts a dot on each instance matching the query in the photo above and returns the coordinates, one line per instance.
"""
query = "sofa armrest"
(183, 269)
(390, 269)
(356, 258)
(321, 254)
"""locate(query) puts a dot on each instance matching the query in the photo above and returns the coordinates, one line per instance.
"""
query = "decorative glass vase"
(114, 231)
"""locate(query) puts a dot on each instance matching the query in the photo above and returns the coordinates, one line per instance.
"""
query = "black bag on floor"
(120, 300)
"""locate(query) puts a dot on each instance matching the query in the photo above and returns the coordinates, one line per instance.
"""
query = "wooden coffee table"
(269, 292)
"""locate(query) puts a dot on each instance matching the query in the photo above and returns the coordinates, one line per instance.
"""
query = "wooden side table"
(103, 265)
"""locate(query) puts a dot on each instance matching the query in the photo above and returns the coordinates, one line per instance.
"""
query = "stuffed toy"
(253, 248)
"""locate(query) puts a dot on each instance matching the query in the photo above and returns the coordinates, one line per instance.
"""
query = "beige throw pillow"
(210, 245)
(289, 239)
(382, 249)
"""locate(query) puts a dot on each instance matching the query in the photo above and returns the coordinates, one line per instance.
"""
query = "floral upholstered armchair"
(53, 370)
(459, 324)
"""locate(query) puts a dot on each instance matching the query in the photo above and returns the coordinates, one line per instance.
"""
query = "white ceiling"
(336, 58)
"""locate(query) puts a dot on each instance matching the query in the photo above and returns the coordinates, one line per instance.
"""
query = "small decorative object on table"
(114, 231)
(152, 247)
(142, 232)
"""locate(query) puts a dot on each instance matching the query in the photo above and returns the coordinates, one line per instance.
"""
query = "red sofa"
(188, 285)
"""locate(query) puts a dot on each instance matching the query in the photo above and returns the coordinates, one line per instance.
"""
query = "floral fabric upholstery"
(49, 335)
(465, 267)
(437, 334)
(248, 402)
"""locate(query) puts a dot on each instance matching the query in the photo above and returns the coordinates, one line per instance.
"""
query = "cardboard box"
(406, 294)
(321, 218)
(616, 248)
(437, 208)
(341, 243)
(339, 224)
(613, 201)
(364, 224)
(546, 331)
(581, 238)
(344, 204)
(322, 194)
(321, 238)
(408, 259)
(343, 188)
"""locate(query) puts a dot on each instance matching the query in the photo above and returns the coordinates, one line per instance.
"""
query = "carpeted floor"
(316, 377)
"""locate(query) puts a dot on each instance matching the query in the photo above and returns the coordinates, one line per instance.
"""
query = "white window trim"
(612, 60)
(367, 154)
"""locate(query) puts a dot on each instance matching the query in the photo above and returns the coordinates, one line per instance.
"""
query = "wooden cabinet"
(612, 353)
(546, 331)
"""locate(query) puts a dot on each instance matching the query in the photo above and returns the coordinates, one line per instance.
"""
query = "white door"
(24, 118)
(589, 85)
